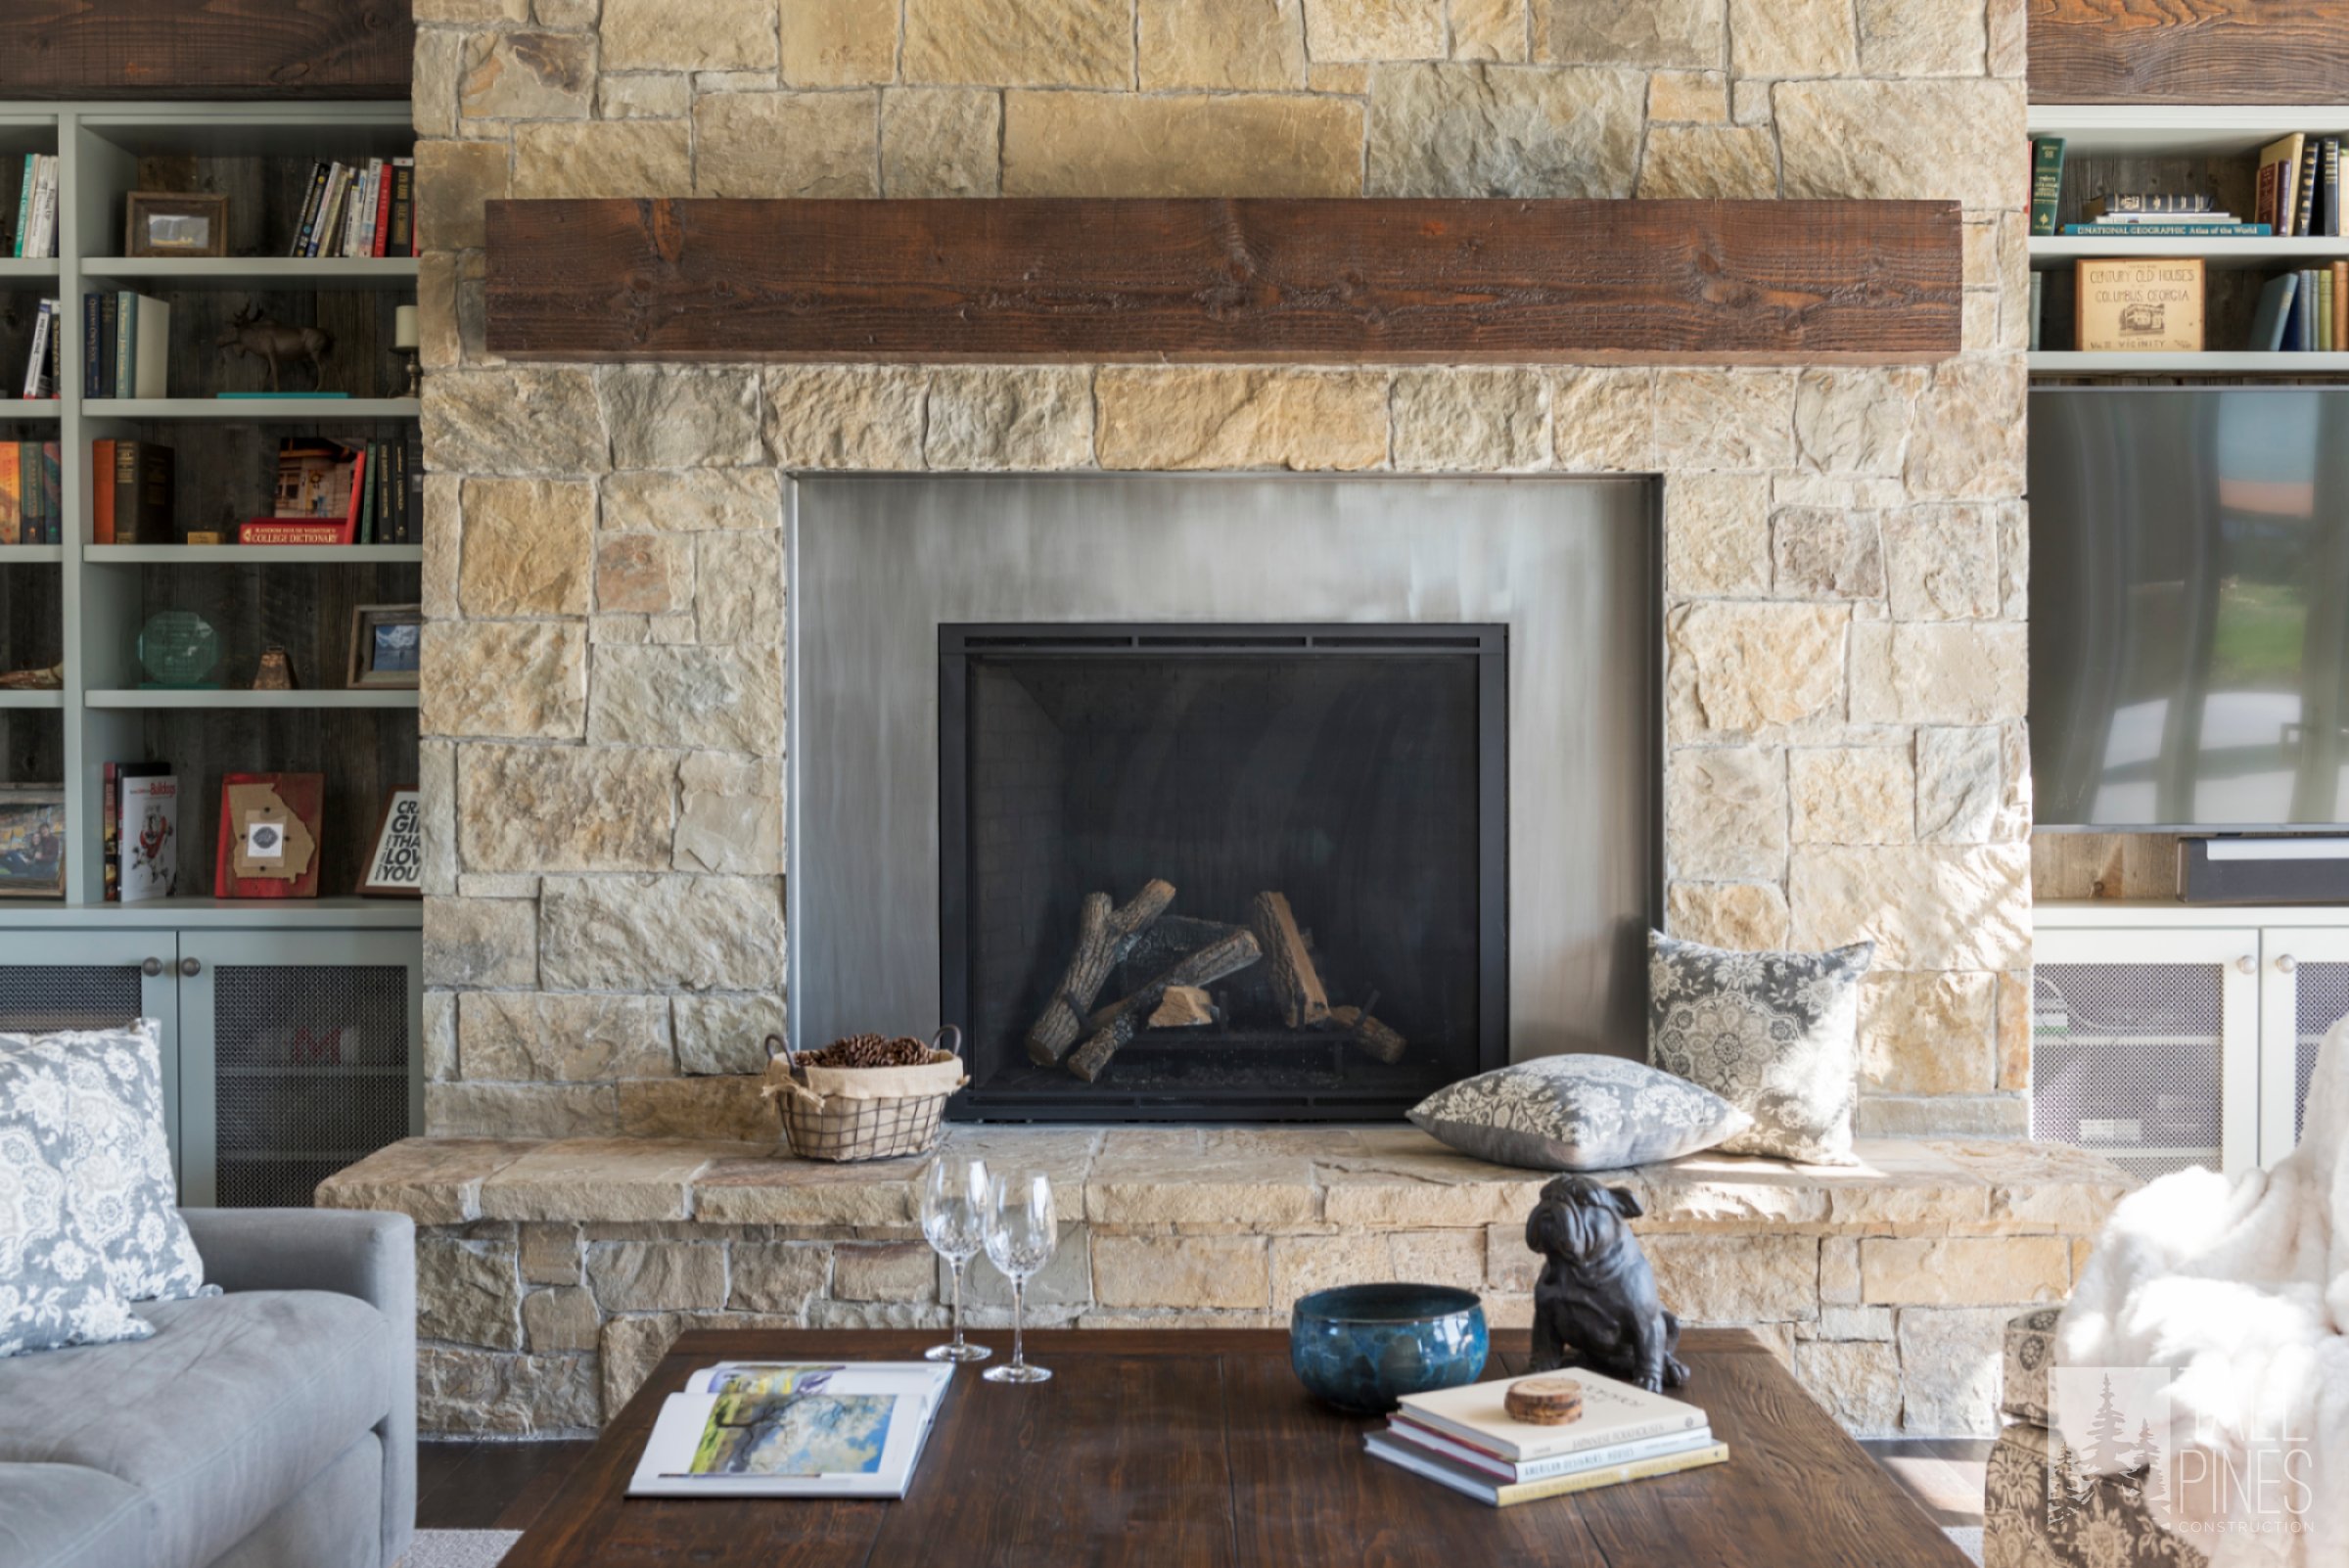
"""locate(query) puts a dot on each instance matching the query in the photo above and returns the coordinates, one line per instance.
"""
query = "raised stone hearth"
(554, 1274)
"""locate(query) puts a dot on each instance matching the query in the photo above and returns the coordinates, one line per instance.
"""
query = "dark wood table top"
(1199, 1448)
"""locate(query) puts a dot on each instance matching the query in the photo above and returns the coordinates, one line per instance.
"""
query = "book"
(109, 822)
(23, 232)
(314, 478)
(834, 1429)
(11, 493)
(1503, 1494)
(2328, 194)
(2305, 191)
(2324, 339)
(2279, 164)
(380, 245)
(102, 491)
(403, 208)
(269, 827)
(36, 233)
(2340, 308)
(2046, 182)
(2124, 220)
(150, 836)
(2039, 299)
(109, 310)
(1613, 1411)
(53, 493)
(2172, 231)
(38, 382)
(93, 348)
(1461, 1454)
(2271, 323)
(2147, 202)
(294, 530)
(309, 210)
(143, 485)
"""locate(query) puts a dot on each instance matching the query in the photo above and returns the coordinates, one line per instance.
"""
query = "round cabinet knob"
(2286, 964)
(191, 967)
(2247, 964)
(152, 968)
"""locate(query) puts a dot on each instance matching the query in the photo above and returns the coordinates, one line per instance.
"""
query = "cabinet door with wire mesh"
(2304, 991)
(53, 980)
(300, 1057)
(2144, 1047)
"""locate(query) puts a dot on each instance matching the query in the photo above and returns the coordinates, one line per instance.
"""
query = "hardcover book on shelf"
(838, 1429)
(150, 836)
(2305, 191)
(131, 486)
(2153, 229)
(35, 207)
(125, 344)
(2127, 306)
(2272, 323)
(2046, 182)
(2278, 168)
(109, 822)
(315, 477)
(40, 357)
(11, 493)
(2147, 202)
(294, 530)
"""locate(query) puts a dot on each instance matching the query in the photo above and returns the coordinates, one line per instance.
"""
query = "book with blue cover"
(2273, 319)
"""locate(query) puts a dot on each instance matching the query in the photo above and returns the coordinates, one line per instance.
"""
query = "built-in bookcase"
(2171, 148)
(83, 604)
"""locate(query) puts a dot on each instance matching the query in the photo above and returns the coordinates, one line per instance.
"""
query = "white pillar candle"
(403, 327)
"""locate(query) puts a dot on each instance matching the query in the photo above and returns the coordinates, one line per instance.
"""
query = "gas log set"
(1274, 984)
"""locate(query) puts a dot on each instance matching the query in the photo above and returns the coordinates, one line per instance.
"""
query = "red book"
(269, 822)
(102, 492)
(295, 531)
(358, 494)
(382, 210)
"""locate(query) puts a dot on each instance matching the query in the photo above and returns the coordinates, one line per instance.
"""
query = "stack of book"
(2147, 215)
(332, 493)
(36, 205)
(2304, 312)
(359, 209)
(125, 344)
(130, 493)
(2300, 186)
(745, 1429)
(32, 508)
(40, 363)
(1466, 1439)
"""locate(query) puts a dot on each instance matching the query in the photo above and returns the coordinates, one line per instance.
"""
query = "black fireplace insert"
(1240, 873)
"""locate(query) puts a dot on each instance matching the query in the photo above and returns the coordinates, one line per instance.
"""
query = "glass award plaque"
(179, 651)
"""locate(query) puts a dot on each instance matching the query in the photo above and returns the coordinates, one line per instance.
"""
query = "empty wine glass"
(955, 1223)
(1021, 1235)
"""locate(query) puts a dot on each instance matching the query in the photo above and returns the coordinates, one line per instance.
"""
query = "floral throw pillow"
(89, 1221)
(1775, 1033)
(1577, 1113)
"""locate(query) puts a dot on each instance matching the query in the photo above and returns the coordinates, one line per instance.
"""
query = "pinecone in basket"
(870, 1051)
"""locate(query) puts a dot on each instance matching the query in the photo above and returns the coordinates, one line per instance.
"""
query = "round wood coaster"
(1544, 1401)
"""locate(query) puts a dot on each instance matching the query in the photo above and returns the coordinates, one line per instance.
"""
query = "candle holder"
(404, 342)
(413, 386)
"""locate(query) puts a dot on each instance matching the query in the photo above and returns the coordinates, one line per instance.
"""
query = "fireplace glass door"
(1223, 872)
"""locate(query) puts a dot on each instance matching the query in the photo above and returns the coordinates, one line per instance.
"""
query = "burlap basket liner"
(943, 1074)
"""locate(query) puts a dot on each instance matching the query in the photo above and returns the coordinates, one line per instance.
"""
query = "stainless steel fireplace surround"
(1570, 568)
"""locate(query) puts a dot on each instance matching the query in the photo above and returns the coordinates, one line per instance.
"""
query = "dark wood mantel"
(1393, 281)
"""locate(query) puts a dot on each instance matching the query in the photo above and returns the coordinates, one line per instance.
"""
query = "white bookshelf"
(2205, 131)
(102, 588)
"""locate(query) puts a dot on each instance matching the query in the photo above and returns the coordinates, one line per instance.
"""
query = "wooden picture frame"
(395, 867)
(32, 842)
(174, 224)
(384, 647)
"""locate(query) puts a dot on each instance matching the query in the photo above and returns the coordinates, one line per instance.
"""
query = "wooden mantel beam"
(1396, 280)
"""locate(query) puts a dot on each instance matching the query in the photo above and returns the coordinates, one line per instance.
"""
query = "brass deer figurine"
(256, 335)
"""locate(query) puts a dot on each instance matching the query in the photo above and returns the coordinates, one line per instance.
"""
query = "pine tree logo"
(2110, 1425)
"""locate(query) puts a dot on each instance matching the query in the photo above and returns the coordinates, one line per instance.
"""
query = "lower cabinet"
(287, 1054)
(2167, 1035)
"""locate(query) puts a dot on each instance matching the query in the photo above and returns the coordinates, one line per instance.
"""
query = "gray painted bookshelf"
(84, 603)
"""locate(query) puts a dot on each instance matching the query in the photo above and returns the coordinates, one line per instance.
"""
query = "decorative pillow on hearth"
(1775, 1033)
(1578, 1113)
(90, 1103)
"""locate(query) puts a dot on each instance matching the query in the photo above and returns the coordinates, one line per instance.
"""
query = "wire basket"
(846, 1113)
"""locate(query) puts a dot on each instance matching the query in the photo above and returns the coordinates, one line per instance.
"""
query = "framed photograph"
(395, 857)
(32, 842)
(174, 224)
(384, 642)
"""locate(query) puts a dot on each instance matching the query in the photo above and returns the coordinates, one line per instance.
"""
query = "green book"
(2046, 182)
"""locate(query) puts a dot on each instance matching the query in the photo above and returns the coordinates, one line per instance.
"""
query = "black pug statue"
(1596, 1303)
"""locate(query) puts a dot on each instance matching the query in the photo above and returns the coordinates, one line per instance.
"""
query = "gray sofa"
(273, 1426)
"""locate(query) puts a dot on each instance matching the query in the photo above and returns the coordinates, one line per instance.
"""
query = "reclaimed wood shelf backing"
(2210, 52)
(210, 49)
(1397, 281)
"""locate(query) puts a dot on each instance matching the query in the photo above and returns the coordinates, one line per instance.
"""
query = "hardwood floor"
(506, 1486)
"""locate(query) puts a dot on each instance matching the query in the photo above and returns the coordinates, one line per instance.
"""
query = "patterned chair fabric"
(2104, 1525)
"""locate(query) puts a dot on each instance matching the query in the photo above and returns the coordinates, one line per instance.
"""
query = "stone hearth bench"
(552, 1276)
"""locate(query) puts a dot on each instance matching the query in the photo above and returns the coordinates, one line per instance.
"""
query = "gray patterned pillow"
(1577, 1113)
(1775, 1033)
(88, 1216)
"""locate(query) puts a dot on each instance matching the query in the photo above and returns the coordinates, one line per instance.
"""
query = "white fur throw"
(2240, 1289)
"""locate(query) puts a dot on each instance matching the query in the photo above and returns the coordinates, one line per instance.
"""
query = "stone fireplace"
(1424, 712)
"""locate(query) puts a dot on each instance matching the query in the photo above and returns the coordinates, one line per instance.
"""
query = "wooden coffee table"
(1198, 1447)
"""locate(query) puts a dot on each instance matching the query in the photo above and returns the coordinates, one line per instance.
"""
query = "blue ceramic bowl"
(1362, 1348)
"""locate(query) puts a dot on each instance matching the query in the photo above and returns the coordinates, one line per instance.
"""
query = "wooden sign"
(2133, 306)
(395, 864)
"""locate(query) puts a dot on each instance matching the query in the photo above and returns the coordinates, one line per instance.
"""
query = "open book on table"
(793, 1429)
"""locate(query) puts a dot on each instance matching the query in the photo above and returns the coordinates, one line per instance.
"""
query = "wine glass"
(1021, 1235)
(955, 1224)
